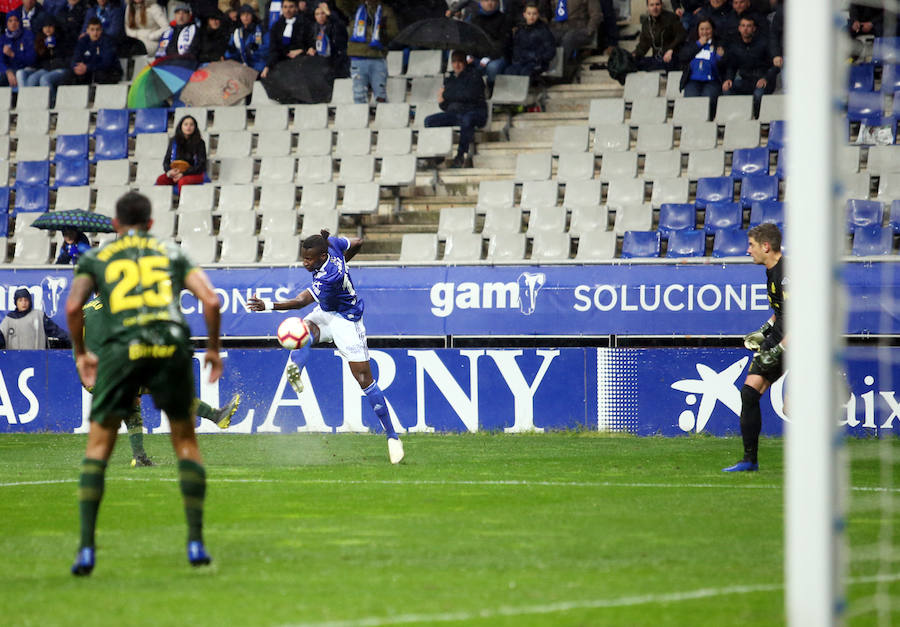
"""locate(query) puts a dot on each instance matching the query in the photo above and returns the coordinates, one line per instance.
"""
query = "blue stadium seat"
(777, 135)
(865, 106)
(873, 240)
(4, 206)
(749, 161)
(33, 172)
(886, 50)
(714, 189)
(32, 198)
(676, 217)
(890, 79)
(110, 145)
(781, 163)
(640, 244)
(767, 211)
(730, 243)
(112, 120)
(4, 221)
(72, 147)
(863, 213)
(895, 107)
(861, 77)
(71, 172)
(723, 215)
(894, 221)
(151, 121)
(687, 243)
(757, 188)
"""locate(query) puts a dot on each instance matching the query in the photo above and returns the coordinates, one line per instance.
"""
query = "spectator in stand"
(533, 45)
(146, 21)
(662, 34)
(715, 10)
(18, 53)
(462, 104)
(609, 28)
(28, 12)
(185, 160)
(27, 328)
(183, 38)
(53, 7)
(249, 42)
(748, 65)
(289, 37)
(865, 20)
(111, 16)
(516, 9)
(94, 60)
(52, 61)
(214, 38)
(411, 11)
(75, 243)
(574, 24)
(330, 40)
(776, 35)
(498, 26)
(227, 6)
(700, 58)
(372, 26)
(71, 18)
(686, 10)
(741, 9)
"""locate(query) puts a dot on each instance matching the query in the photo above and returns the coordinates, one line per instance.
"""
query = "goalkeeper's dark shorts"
(771, 373)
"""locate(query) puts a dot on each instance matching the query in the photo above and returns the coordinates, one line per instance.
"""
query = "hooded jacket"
(660, 34)
(29, 329)
(69, 253)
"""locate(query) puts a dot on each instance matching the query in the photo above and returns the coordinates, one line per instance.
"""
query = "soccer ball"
(293, 333)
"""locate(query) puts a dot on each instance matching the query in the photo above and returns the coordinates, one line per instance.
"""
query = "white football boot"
(395, 450)
(293, 377)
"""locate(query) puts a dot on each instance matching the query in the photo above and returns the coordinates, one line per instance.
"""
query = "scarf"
(562, 11)
(360, 20)
(185, 37)
(252, 33)
(13, 35)
(164, 42)
(274, 12)
(323, 47)
(288, 31)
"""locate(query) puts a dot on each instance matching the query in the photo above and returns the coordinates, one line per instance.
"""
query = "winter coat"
(336, 31)
(534, 45)
(112, 18)
(195, 154)
(70, 19)
(149, 33)
(660, 34)
(733, 20)
(52, 57)
(301, 39)
(23, 47)
(69, 253)
(718, 17)
(96, 55)
(699, 63)
(464, 92)
(249, 46)
(28, 21)
(29, 329)
(583, 15)
(498, 26)
(193, 48)
(389, 28)
(213, 43)
(750, 60)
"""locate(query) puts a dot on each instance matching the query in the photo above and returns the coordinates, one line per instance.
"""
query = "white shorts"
(349, 337)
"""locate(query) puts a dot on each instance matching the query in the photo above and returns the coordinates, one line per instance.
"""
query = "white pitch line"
(461, 482)
(566, 606)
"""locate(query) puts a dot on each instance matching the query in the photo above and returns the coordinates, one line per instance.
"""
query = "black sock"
(192, 478)
(751, 422)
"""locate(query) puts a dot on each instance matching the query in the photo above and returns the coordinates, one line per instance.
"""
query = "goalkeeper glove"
(753, 340)
(769, 358)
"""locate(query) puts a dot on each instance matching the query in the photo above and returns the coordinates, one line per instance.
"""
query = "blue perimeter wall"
(651, 391)
(643, 391)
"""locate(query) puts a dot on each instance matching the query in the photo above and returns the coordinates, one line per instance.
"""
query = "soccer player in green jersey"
(138, 279)
(94, 336)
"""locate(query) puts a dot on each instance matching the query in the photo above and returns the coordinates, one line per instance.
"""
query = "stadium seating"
(730, 243)
(686, 243)
(873, 240)
(767, 211)
(596, 246)
(151, 121)
(861, 77)
(549, 246)
(777, 135)
(863, 213)
(463, 247)
(676, 217)
(865, 106)
(757, 188)
(72, 172)
(722, 215)
(112, 144)
(506, 247)
(418, 247)
(640, 244)
(714, 189)
(32, 198)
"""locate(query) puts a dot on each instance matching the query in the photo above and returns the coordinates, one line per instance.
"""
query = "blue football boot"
(743, 466)
(197, 555)
(84, 562)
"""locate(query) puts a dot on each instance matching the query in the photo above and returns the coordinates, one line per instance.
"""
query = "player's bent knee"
(313, 329)
(749, 394)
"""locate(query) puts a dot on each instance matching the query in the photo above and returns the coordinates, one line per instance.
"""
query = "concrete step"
(542, 141)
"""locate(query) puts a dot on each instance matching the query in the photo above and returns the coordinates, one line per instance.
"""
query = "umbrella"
(222, 83)
(445, 33)
(303, 79)
(160, 80)
(80, 219)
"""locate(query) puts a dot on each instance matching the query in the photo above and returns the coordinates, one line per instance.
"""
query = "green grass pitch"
(486, 529)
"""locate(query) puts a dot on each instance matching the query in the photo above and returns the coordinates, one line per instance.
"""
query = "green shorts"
(770, 374)
(162, 368)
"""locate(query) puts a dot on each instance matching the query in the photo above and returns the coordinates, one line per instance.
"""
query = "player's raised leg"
(300, 357)
(101, 440)
(221, 416)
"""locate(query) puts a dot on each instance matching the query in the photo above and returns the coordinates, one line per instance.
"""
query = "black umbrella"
(303, 79)
(79, 219)
(444, 33)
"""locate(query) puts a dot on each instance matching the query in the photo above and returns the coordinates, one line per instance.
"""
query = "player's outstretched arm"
(85, 361)
(198, 283)
(355, 244)
(303, 299)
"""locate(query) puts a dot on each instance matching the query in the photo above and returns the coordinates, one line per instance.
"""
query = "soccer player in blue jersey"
(337, 318)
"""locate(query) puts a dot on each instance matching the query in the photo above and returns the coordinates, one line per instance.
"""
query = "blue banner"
(661, 300)
(666, 392)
